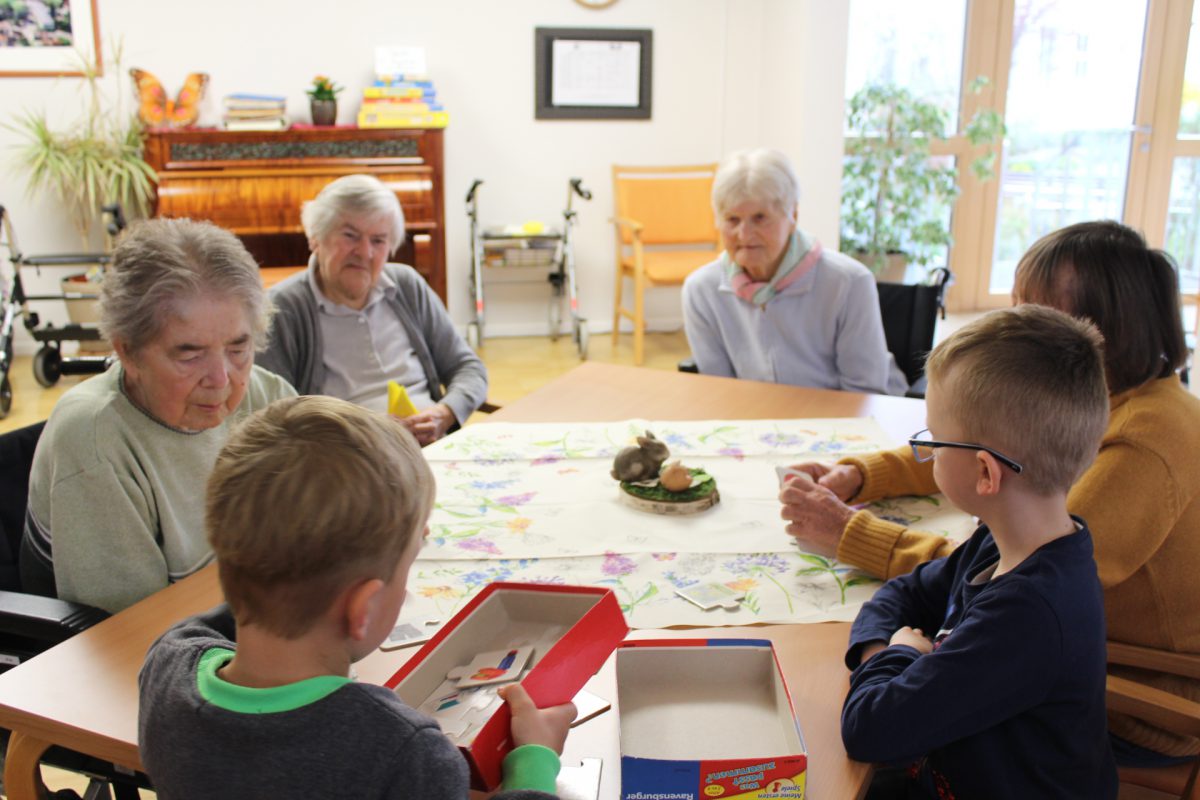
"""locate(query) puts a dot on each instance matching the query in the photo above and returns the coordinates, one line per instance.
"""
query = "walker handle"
(471, 192)
(577, 187)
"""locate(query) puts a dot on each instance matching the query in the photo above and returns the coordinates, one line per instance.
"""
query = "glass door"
(1070, 111)
(1182, 223)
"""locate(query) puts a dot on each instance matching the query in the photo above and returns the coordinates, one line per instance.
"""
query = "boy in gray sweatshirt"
(316, 510)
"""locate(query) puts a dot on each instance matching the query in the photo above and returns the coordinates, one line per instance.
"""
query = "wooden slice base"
(668, 507)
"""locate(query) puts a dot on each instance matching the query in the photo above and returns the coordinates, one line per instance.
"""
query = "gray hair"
(159, 263)
(352, 196)
(762, 175)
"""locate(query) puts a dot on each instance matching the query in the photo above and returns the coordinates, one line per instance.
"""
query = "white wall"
(728, 74)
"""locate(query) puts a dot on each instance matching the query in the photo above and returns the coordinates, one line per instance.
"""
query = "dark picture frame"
(576, 104)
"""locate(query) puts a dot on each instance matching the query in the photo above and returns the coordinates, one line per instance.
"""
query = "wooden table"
(83, 693)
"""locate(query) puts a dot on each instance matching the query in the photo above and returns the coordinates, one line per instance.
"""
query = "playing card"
(711, 595)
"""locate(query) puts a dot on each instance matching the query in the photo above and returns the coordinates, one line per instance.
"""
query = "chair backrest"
(910, 314)
(16, 460)
(673, 204)
(1159, 709)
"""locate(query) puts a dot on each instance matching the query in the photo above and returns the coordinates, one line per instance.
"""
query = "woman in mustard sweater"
(1140, 497)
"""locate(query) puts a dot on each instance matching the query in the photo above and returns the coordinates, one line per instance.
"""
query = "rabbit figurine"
(641, 462)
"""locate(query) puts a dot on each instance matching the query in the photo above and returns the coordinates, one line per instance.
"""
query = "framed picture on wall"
(592, 73)
(44, 38)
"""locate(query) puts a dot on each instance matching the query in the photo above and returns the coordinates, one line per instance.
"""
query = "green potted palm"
(94, 161)
(896, 198)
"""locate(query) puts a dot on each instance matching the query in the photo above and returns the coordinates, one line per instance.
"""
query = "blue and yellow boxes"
(707, 718)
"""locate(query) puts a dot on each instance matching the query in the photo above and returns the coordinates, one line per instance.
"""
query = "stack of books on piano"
(255, 112)
(401, 101)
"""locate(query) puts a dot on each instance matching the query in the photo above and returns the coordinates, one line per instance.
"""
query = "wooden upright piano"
(254, 183)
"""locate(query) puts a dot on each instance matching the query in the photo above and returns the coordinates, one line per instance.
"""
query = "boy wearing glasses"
(982, 674)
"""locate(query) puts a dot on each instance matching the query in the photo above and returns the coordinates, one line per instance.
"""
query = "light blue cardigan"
(823, 331)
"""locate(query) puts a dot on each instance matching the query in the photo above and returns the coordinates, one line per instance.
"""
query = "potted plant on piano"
(323, 100)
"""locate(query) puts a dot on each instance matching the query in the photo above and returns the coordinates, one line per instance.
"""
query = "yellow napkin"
(398, 403)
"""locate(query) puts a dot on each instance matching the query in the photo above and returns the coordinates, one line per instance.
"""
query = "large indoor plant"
(94, 161)
(896, 198)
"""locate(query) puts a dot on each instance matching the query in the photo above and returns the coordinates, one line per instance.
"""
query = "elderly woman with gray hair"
(352, 322)
(116, 493)
(775, 306)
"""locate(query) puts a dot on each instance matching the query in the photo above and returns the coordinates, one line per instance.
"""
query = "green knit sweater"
(116, 498)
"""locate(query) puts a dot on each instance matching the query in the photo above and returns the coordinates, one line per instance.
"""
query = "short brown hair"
(309, 495)
(1028, 381)
(1104, 272)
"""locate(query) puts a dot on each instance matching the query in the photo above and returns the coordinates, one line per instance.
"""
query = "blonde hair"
(1029, 382)
(309, 495)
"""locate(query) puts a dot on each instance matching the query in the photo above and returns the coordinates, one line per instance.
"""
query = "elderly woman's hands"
(843, 480)
(816, 513)
(431, 424)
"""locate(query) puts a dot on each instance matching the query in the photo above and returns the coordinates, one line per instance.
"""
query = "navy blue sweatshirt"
(1010, 704)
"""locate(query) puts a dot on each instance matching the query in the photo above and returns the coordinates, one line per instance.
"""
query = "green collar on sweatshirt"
(245, 700)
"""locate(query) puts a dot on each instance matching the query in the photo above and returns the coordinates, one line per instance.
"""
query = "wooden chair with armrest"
(1160, 709)
(665, 230)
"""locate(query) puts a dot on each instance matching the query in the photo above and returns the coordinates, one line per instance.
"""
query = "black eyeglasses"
(923, 450)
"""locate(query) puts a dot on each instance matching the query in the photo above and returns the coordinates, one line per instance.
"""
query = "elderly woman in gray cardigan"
(352, 322)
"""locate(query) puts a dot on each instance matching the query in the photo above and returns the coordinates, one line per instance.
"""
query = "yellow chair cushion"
(671, 266)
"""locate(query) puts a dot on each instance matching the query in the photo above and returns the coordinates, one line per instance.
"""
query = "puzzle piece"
(581, 781)
(444, 691)
(454, 728)
(498, 666)
(784, 473)
(588, 705)
(711, 595)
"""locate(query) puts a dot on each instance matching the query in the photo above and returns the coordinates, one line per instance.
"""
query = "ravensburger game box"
(551, 638)
(707, 718)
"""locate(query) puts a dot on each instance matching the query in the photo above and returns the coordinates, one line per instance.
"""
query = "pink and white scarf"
(802, 255)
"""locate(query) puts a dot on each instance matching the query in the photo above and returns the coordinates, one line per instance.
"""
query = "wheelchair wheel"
(5, 397)
(47, 366)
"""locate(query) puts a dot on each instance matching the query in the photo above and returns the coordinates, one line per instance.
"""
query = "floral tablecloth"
(536, 503)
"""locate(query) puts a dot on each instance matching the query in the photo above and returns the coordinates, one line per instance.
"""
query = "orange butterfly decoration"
(155, 109)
